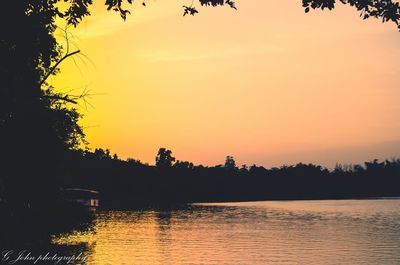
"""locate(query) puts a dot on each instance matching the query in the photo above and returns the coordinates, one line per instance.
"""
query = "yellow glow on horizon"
(267, 84)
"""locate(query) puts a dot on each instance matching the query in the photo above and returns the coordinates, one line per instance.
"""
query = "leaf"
(231, 4)
(189, 10)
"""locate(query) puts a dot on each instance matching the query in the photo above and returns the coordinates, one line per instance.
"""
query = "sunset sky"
(267, 84)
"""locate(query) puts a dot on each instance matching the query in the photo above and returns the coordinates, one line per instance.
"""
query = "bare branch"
(57, 64)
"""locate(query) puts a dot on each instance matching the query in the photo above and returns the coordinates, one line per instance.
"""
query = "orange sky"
(267, 83)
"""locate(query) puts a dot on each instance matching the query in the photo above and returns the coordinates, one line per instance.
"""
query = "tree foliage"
(30, 54)
(127, 183)
(164, 158)
(230, 163)
(387, 10)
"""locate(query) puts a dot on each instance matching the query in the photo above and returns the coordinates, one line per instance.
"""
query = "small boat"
(84, 197)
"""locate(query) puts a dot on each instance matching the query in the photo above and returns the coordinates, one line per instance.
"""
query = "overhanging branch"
(63, 98)
(55, 66)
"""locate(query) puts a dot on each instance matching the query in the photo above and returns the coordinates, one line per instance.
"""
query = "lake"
(274, 232)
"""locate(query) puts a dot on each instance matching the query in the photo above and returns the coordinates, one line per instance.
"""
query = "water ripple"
(300, 232)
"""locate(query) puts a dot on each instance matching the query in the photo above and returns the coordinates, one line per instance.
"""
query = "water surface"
(286, 232)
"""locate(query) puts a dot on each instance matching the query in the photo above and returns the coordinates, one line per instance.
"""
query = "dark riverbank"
(132, 184)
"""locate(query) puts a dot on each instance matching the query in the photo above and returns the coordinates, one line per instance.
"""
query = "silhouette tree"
(230, 163)
(374, 165)
(100, 153)
(164, 158)
(183, 165)
(37, 125)
(244, 168)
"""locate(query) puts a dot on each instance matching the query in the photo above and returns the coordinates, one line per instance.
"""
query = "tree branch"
(55, 66)
(64, 98)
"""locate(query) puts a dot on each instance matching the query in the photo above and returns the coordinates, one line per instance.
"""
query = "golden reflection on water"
(298, 232)
(117, 236)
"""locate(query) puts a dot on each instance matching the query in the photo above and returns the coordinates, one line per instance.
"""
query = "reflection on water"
(291, 232)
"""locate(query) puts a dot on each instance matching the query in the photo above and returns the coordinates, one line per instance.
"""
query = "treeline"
(130, 183)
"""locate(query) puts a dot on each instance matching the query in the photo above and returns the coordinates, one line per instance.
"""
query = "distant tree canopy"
(230, 163)
(124, 184)
(164, 158)
(183, 165)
